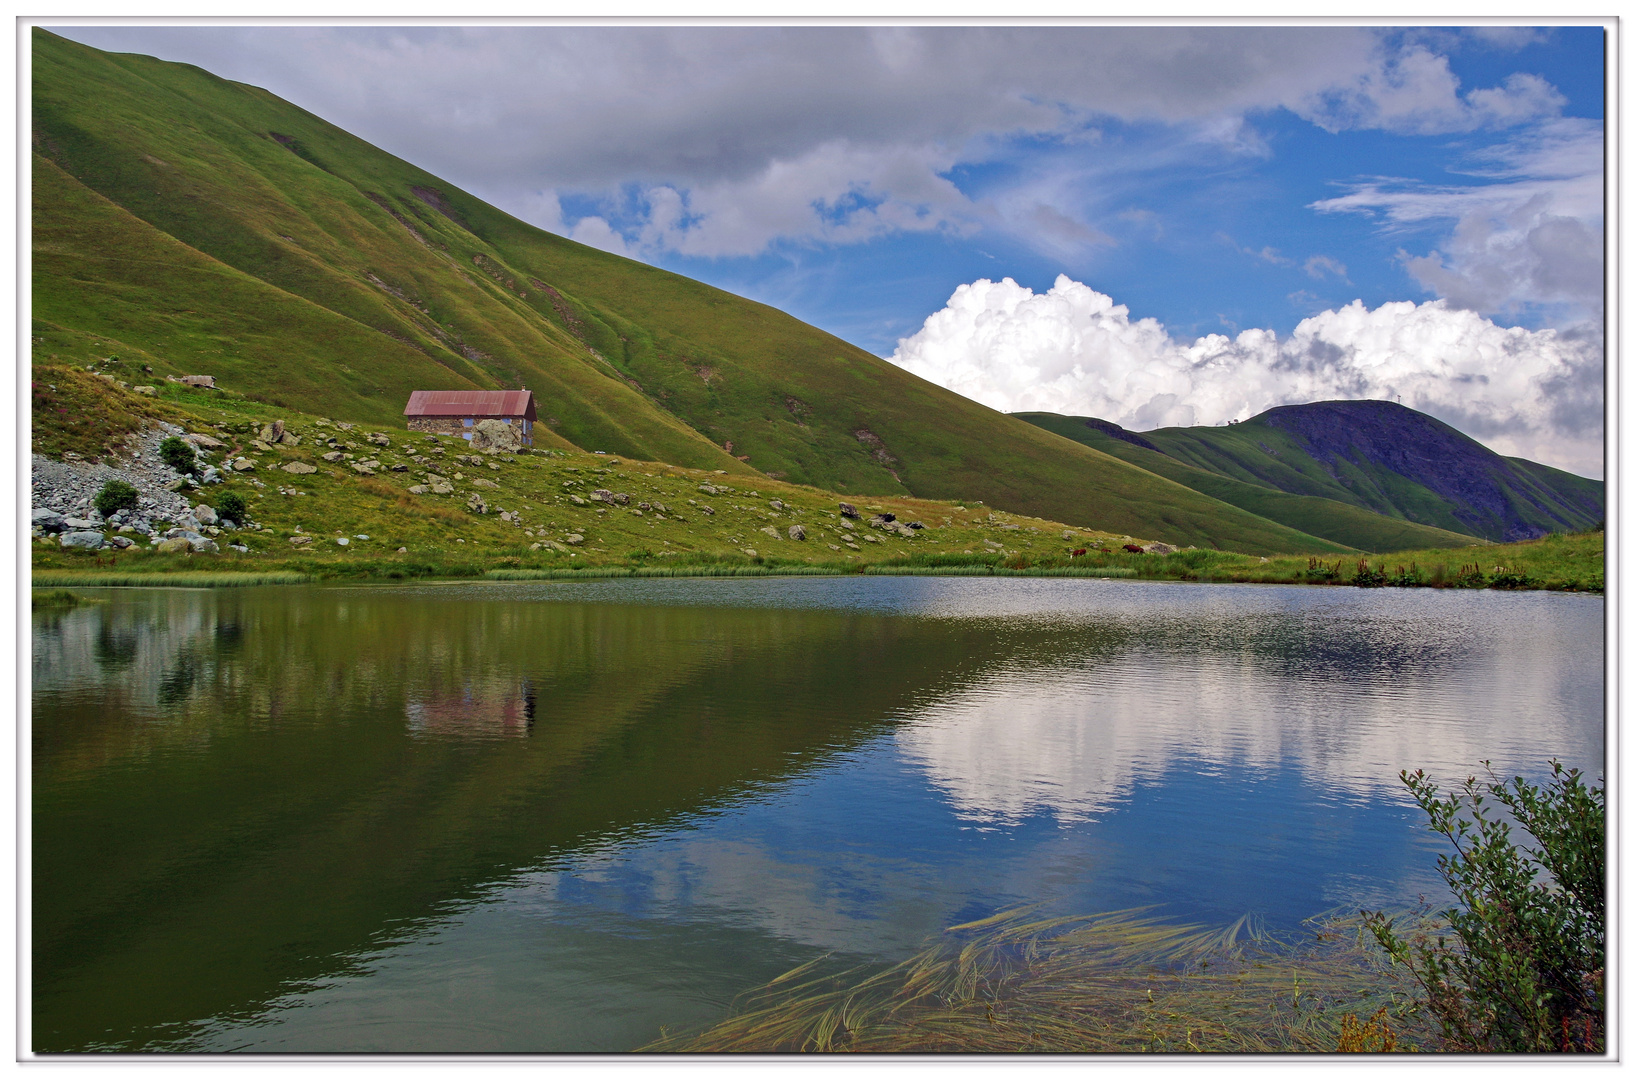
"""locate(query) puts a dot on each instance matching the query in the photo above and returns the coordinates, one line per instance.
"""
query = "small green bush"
(179, 455)
(1406, 579)
(1368, 578)
(116, 495)
(232, 507)
(1519, 965)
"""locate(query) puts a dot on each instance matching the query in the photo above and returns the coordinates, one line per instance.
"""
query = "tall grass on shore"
(1123, 982)
(778, 570)
(1001, 571)
(199, 579)
(662, 572)
(1556, 562)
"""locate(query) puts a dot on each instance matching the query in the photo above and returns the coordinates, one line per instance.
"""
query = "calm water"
(538, 817)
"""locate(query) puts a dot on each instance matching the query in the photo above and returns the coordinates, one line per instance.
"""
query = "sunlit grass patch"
(1123, 982)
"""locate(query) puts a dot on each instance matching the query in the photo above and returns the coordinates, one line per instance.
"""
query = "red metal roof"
(471, 403)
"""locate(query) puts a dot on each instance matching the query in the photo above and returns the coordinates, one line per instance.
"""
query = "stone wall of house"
(459, 426)
(437, 425)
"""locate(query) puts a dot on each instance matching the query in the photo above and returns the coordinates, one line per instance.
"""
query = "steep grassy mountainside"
(1341, 522)
(195, 225)
(1376, 455)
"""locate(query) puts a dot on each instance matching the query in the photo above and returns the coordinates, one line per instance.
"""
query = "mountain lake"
(560, 816)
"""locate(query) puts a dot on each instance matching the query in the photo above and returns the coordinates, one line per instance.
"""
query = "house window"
(467, 423)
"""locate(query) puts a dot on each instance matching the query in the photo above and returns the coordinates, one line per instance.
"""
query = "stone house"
(458, 412)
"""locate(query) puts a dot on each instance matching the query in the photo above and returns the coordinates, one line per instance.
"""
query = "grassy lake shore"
(1567, 563)
(338, 501)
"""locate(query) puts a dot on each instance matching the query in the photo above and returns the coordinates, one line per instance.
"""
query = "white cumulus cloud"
(1072, 350)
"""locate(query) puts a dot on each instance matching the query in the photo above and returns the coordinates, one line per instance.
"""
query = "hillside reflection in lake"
(539, 817)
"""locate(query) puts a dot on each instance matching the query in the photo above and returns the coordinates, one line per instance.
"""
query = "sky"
(1154, 225)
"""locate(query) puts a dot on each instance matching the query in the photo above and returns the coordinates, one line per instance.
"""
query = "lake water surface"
(558, 816)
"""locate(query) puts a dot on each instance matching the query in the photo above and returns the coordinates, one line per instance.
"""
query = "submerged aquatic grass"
(1121, 982)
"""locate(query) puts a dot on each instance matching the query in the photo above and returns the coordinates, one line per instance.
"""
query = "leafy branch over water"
(1519, 963)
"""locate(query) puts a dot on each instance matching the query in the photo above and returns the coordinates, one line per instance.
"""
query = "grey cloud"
(727, 116)
(1569, 256)
(1413, 90)
(1529, 238)
(589, 105)
(1579, 394)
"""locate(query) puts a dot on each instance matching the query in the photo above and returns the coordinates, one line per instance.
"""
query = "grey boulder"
(495, 435)
(85, 539)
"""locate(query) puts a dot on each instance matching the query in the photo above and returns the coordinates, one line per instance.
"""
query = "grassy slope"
(1341, 522)
(387, 288)
(191, 160)
(1578, 487)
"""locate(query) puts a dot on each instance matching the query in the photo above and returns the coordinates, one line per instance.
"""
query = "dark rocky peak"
(1483, 485)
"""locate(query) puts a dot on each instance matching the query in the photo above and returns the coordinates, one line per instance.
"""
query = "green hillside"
(196, 225)
(1376, 455)
(1338, 521)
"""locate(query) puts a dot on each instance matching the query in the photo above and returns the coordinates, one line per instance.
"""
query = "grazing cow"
(1079, 552)
(1135, 548)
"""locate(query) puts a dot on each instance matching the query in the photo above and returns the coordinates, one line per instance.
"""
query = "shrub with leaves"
(231, 506)
(1519, 964)
(178, 454)
(1368, 578)
(116, 495)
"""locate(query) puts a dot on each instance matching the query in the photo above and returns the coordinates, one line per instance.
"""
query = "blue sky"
(1217, 180)
(1204, 238)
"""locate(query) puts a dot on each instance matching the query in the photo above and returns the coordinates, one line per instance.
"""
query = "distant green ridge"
(1375, 455)
(1340, 522)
